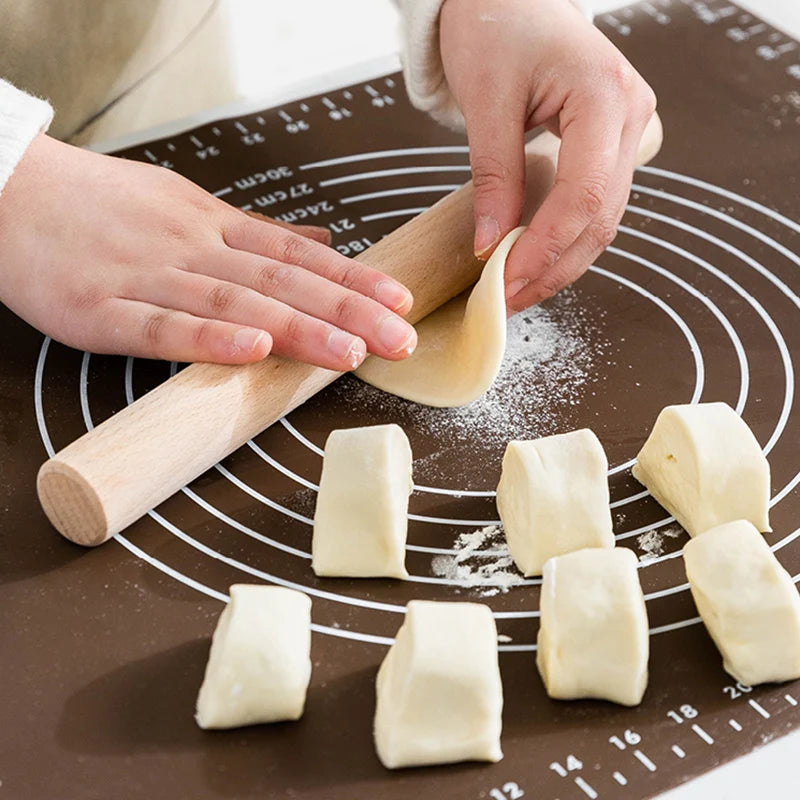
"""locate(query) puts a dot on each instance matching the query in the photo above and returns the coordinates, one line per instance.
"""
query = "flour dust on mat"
(481, 561)
(652, 543)
(547, 369)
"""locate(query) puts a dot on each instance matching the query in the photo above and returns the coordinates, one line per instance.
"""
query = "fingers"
(496, 152)
(587, 163)
(241, 281)
(595, 237)
(286, 247)
(322, 235)
(149, 331)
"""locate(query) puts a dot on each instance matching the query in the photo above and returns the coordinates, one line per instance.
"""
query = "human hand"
(115, 256)
(513, 65)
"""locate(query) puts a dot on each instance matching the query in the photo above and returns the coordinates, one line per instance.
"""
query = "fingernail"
(347, 347)
(396, 335)
(392, 295)
(487, 232)
(247, 339)
(515, 287)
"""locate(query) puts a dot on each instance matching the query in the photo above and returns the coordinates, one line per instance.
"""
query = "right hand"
(114, 256)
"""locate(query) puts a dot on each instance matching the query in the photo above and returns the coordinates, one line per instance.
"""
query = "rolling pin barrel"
(114, 474)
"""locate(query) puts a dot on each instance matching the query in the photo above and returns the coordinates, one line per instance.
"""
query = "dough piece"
(439, 695)
(703, 464)
(748, 602)
(361, 521)
(593, 632)
(460, 345)
(259, 666)
(553, 498)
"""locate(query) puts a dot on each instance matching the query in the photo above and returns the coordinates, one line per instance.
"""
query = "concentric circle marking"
(741, 401)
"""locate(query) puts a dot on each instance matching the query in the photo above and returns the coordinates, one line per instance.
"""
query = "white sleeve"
(422, 60)
(22, 116)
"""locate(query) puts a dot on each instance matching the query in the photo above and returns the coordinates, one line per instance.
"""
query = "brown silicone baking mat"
(103, 650)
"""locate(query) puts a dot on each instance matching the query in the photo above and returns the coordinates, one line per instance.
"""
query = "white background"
(281, 43)
(278, 44)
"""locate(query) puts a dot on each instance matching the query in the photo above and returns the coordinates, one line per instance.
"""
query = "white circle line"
(755, 305)
(375, 154)
(744, 367)
(152, 561)
(388, 173)
(441, 188)
(681, 178)
(399, 212)
(768, 240)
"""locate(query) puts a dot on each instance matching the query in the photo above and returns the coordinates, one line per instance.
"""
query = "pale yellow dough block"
(593, 632)
(553, 498)
(439, 695)
(748, 602)
(460, 346)
(704, 465)
(361, 519)
(259, 666)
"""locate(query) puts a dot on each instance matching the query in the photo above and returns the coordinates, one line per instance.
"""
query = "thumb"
(496, 152)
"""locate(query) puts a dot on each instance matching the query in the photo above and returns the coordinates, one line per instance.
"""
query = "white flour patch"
(652, 543)
(549, 366)
(482, 561)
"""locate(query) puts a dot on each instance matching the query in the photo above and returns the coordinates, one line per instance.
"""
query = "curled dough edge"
(460, 346)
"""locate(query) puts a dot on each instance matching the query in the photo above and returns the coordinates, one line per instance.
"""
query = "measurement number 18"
(356, 246)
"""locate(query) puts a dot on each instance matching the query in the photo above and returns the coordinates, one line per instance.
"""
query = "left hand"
(513, 65)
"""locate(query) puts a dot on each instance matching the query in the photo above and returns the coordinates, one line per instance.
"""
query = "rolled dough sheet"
(460, 345)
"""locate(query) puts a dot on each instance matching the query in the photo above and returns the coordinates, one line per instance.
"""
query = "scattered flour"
(653, 542)
(482, 561)
(547, 368)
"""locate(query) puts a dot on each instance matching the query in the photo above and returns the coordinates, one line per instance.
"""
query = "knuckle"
(154, 330)
(602, 232)
(203, 333)
(274, 280)
(346, 307)
(294, 329)
(548, 286)
(488, 173)
(292, 249)
(592, 193)
(220, 298)
(623, 77)
(349, 275)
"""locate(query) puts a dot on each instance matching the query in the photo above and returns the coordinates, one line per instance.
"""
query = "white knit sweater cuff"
(422, 60)
(22, 116)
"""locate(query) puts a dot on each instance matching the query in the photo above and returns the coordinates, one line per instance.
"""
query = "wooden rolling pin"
(114, 474)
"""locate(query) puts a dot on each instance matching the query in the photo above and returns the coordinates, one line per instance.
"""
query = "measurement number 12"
(510, 791)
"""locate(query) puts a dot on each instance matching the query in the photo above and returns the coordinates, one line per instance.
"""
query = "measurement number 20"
(510, 791)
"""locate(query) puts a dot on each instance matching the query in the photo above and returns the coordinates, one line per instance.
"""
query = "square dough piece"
(748, 602)
(553, 498)
(439, 695)
(703, 464)
(361, 520)
(259, 666)
(593, 632)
